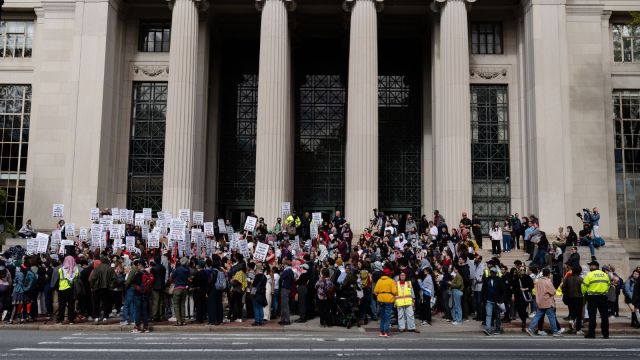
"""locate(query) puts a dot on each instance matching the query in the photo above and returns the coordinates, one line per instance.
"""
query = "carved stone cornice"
(488, 73)
(289, 4)
(347, 5)
(155, 72)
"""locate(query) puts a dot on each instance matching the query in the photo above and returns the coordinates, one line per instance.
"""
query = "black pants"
(116, 296)
(575, 311)
(66, 301)
(521, 309)
(495, 247)
(302, 302)
(200, 304)
(426, 308)
(595, 304)
(325, 315)
(478, 236)
(214, 304)
(101, 301)
(235, 306)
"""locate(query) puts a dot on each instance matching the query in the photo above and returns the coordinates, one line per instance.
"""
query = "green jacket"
(457, 282)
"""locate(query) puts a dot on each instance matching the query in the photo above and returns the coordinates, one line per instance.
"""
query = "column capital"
(289, 4)
(203, 5)
(347, 5)
(436, 5)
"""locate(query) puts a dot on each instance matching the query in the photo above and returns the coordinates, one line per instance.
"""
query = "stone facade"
(557, 62)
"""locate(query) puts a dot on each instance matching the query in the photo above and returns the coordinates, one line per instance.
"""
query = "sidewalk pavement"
(617, 326)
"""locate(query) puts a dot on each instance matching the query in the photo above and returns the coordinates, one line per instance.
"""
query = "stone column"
(180, 139)
(361, 168)
(452, 127)
(274, 140)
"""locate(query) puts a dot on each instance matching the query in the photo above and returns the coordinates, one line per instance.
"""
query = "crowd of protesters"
(398, 271)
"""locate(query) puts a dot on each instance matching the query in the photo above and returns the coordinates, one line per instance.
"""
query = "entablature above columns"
(289, 4)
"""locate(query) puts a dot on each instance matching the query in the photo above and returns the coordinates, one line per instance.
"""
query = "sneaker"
(124, 323)
(561, 330)
(529, 331)
(386, 334)
(486, 332)
(381, 334)
(96, 321)
(542, 333)
(238, 320)
(497, 332)
(225, 320)
(556, 334)
(580, 333)
(104, 320)
(135, 330)
(456, 323)
(532, 315)
(424, 323)
(173, 318)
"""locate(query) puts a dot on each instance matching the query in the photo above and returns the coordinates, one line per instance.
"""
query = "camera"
(586, 210)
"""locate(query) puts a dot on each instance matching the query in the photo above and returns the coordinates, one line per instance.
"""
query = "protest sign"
(185, 215)
(198, 217)
(43, 243)
(222, 228)
(250, 223)
(130, 216)
(285, 209)
(139, 219)
(69, 230)
(261, 252)
(233, 241)
(115, 213)
(114, 231)
(243, 246)
(146, 214)
(95, 214)
(106, 220)
(316, 218)
(96, 239)
(208, 229)
(124, 215)
(145, 232)
(82, 235)
(324, 253)
(313, 230)
(154, 240)
(117, 243)
(131, 243)
(58, 210)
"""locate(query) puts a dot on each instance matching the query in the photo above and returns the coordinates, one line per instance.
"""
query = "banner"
(58, 210)
(261, 252)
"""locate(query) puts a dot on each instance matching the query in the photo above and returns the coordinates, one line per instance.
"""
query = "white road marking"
(306, 350)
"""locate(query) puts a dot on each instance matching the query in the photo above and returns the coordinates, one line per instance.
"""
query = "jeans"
(596, 231)
(129, 308)
(506, 242)
(477, 297)
(142, 310)
(374, 308)
(275, 300)
(592, 249)
(285, 314)
(385, 316)
(490, 308)
(258, 312)
(406, 319)
(550, 313)
(457, 305)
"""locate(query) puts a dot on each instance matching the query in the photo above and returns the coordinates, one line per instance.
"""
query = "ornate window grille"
(320, 141)
(146, 146)
(237, 170)
(486, 38)
(626, 115)
(16, 39)
(155, 36)
(15, 116)
(490, 153)
(400, 142)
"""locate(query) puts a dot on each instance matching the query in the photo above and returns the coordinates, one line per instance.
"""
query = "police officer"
(595, 287)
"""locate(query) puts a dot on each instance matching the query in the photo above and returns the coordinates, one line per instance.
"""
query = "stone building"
(489, 106)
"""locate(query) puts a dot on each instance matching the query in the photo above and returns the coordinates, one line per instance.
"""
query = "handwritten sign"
(250, 223)
(198, 218)
(58, 210)
(95, 214)
(261, 252)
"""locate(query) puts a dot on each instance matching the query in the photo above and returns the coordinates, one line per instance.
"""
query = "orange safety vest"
(405, 294)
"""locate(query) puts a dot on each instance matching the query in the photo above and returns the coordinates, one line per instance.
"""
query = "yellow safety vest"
(596, 282)
(405, 294)
(64, 283)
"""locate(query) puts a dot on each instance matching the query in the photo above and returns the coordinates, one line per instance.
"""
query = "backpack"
(220, 282)
(146, 283)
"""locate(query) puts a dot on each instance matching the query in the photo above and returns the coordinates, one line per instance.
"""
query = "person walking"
(404, 303)
(595, 287)
(493, 294)
(545, 299)
(385, 292)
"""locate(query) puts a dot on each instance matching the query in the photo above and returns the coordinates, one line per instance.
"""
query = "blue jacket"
(23, 283)
(595, 219)
(180, 276)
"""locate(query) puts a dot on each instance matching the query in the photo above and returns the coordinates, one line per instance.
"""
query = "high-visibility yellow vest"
(64, 283)
(405, 294)
(596, 282)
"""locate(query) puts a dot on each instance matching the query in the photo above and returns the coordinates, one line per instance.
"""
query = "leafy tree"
(635, 18)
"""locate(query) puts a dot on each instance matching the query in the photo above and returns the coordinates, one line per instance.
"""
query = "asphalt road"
(17, 344)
